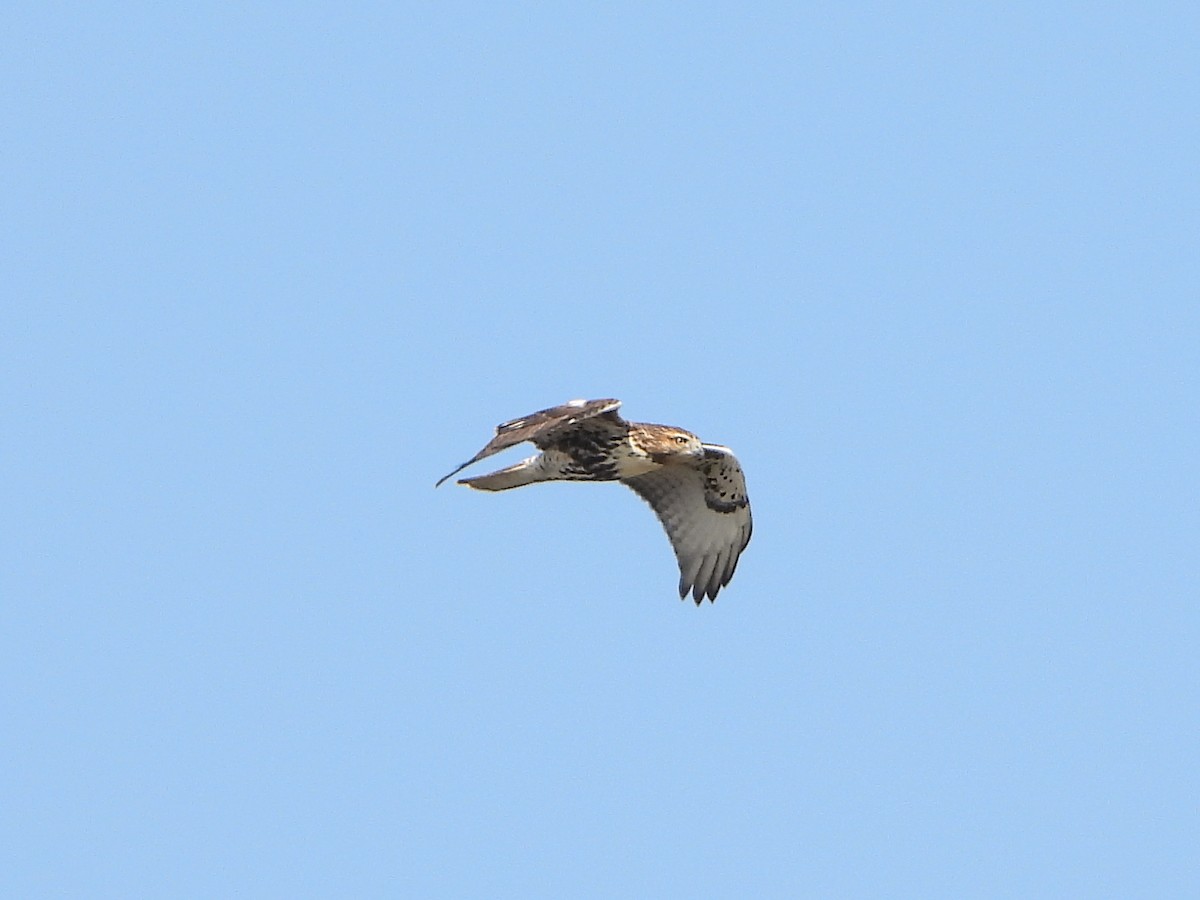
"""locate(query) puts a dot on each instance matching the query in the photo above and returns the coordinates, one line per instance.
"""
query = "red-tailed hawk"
(697, 490)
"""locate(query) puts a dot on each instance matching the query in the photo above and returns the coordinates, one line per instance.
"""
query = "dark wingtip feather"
(446, 478)
(698, 592)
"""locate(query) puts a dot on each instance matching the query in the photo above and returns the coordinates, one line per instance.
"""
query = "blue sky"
(932, 270)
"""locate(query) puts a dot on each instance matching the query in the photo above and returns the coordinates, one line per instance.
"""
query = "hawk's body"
(697, 490)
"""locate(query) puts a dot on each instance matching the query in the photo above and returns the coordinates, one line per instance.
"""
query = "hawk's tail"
(525, 472)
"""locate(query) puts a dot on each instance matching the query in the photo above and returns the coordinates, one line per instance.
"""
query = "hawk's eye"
(680, 439)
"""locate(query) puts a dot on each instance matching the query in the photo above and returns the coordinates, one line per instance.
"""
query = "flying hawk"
(697, 490)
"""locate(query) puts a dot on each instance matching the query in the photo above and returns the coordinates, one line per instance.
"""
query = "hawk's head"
(666, 445)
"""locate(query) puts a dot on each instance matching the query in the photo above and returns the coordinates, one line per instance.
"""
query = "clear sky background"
(931, 269)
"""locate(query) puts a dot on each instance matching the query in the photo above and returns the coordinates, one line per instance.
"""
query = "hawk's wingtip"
(446, 478)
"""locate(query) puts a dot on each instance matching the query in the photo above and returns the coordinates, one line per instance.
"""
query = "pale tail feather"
(525, 472)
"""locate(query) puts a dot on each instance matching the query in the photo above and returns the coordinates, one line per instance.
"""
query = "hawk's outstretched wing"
(541, 426)
(706, 514)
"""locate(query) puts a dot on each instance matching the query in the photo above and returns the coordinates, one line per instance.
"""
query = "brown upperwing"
(539, 427)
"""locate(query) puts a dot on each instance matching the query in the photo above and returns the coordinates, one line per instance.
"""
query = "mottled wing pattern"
(706, 514)
(542, 426)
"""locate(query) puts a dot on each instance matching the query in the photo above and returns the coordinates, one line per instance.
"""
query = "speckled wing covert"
(706, 514)
(541, 426)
